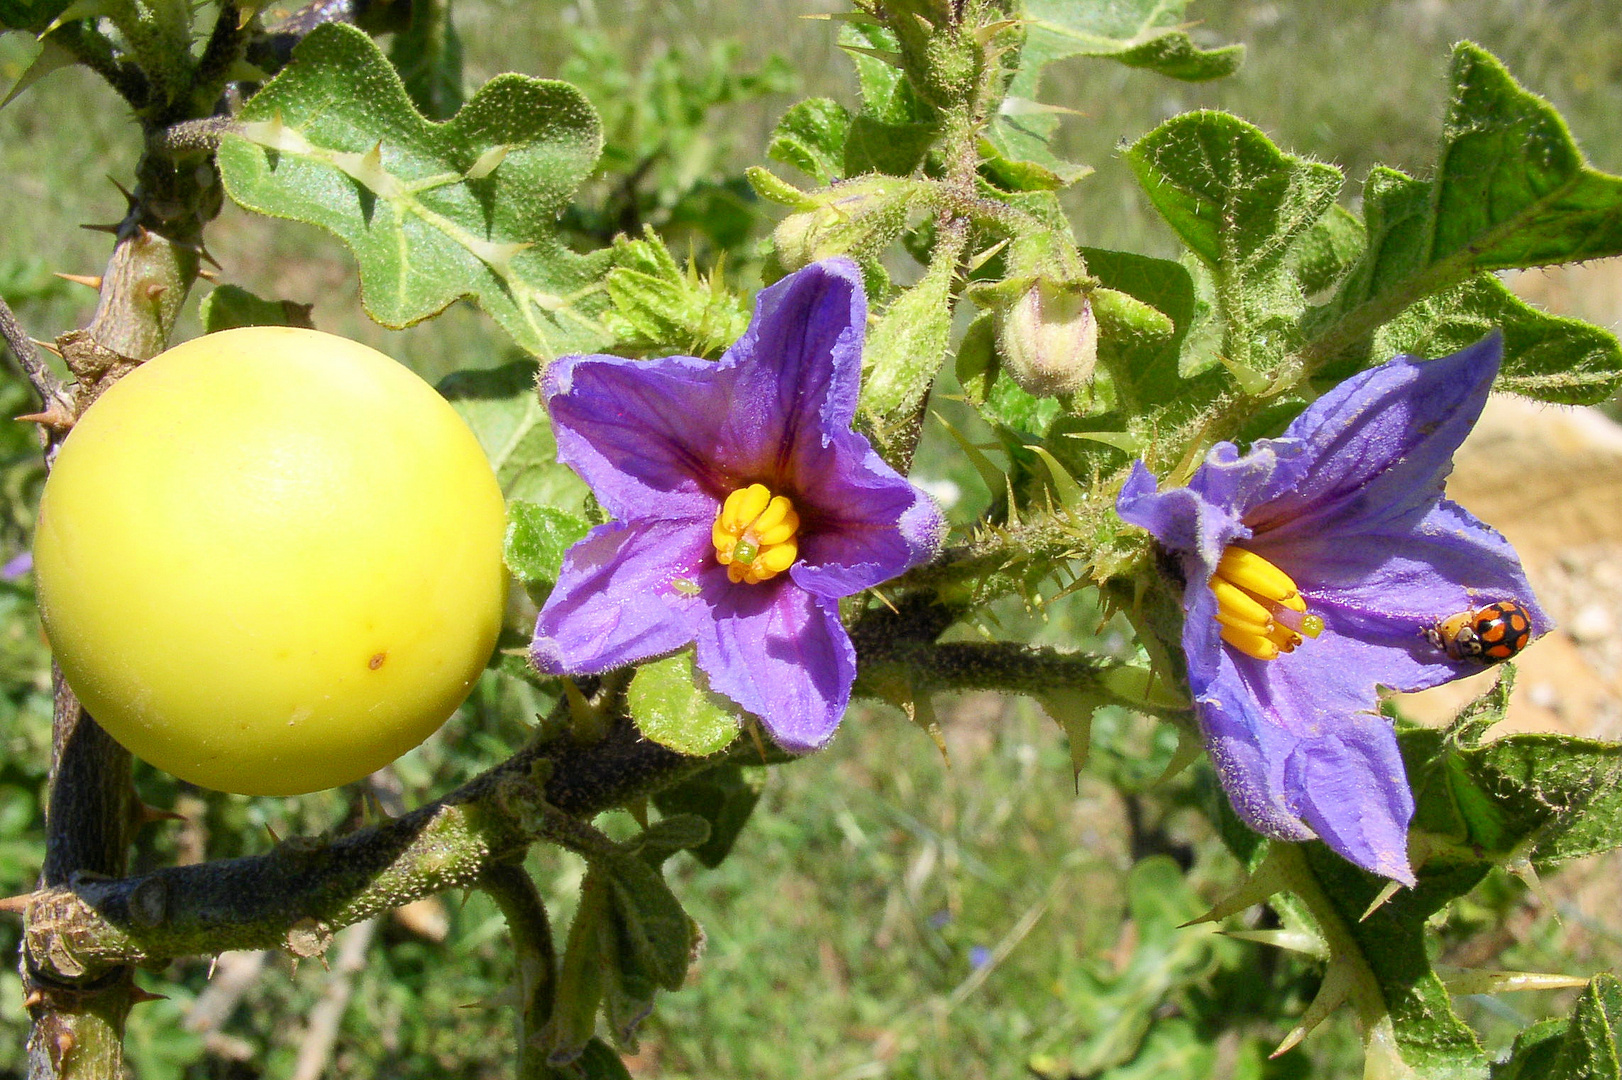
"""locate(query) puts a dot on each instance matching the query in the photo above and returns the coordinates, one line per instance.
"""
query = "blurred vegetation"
(886, 912)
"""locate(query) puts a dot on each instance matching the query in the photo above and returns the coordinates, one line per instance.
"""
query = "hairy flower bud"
(859, 219)
(1049, 339)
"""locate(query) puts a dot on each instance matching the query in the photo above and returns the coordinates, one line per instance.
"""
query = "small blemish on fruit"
(377, 660)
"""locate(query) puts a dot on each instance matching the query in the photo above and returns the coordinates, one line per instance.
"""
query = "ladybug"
(1490, 634)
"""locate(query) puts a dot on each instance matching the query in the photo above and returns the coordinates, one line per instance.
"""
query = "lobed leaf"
(811, 137)
(1547, 357)
(504, 411)
(1511, 190)
(1139, 33)
(536, 538)
(434, 212)
(229, 306)
(1240, 204)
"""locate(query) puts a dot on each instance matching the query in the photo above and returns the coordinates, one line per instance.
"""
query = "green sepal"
(659, 308)
(672, 708)
(434, 212)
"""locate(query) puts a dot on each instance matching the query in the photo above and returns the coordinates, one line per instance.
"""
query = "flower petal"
(614, 603)
(1381, 443)
(646, 436)
(801, 358)
(1383, 590)
(866, 523)
(781, 653)
(1302, 753)
(660, 438)
(1183, 519)
(1352, 789)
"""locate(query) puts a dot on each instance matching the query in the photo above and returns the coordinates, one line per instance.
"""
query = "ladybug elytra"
(1490, 634)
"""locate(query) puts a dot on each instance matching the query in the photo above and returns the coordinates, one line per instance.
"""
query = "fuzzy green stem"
(534, 960)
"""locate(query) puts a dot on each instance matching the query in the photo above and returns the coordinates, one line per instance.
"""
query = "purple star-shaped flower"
(744, 507)
(1348, 504)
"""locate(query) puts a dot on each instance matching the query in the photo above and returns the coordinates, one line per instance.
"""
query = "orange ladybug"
(1490, 634)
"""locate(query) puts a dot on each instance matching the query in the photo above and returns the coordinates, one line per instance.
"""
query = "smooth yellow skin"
(269, 560)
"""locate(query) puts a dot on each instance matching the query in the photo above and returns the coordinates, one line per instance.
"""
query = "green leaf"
(537, 537)
(428, 56)
(1534, 1053)
(654, 933)
(1511, 190)
(1582, 1048)
(1240, 204)
(811, 137)
(1012, 167)
(1552, 797)
(887, 96)
(1547, 357)
(1132, 31)
(1389, 944)
(658, 307)
(874, 146)
(724, 796)
(580, 983)
(977, 364)
(1328, 249)
(1589, 1051)
(504, 411)
(671, 708)
(433, 212)
(1143, 357)
(668, 835)
(1175, 55)
(228, 306)
(52, 56)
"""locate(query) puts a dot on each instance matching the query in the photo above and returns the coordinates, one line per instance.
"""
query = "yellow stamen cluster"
(754, 534)
(1258, 607)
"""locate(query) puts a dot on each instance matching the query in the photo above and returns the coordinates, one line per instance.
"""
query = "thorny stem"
(52, 393)
(544, 792)
(91, 809)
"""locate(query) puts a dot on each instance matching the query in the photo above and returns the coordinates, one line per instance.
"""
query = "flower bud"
(859, 218)
(1049, 339)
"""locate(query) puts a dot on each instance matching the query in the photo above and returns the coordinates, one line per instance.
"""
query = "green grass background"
(885, 913)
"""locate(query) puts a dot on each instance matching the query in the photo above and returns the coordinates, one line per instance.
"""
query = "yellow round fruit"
(269, 560)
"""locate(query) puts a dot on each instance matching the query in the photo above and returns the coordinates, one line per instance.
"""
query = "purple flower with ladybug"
(1324, 564)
